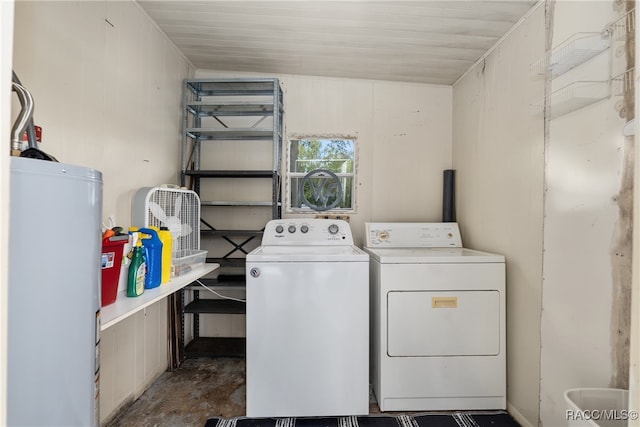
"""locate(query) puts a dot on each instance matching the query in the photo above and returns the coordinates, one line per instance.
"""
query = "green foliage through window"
(321, 174)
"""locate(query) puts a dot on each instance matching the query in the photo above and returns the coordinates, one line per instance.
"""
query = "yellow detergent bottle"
(167, 250)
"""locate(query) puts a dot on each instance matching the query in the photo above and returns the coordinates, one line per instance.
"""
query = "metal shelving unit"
(228, 111)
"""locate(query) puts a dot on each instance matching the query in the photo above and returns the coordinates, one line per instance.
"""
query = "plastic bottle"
(123, 279)
(137, 268)
(167, 249)
(153, 249)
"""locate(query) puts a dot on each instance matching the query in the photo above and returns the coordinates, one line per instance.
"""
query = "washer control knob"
(279, 229)
(304, 229)
(292, 229)
(254, 272)
(383, 235)
(333, 229)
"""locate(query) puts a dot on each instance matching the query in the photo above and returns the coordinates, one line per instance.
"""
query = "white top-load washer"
(437, 319)
(307, 321)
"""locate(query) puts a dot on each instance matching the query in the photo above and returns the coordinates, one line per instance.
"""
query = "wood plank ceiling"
(413, 41)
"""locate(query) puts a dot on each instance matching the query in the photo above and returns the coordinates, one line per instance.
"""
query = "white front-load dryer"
(438, 330)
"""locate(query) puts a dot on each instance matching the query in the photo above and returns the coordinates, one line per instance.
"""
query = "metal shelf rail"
(233, 110)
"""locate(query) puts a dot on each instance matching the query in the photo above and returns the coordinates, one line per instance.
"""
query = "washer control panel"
(307, 231)
(413, 235)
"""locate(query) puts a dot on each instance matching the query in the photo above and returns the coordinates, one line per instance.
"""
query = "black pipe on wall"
(449, 196)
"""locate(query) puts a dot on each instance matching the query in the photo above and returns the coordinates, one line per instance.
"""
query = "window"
(321, 174)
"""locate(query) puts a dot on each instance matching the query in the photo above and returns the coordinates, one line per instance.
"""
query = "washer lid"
(307, 254)
(431, 256)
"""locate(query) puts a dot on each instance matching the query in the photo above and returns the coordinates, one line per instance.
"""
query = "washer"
(437, 319)
(307, 321)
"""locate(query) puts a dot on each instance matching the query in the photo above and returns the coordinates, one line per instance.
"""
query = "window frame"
(289, 176)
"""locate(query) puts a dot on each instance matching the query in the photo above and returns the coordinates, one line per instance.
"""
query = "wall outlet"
(333, 216)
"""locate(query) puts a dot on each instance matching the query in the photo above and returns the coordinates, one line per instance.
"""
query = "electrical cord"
(219, 295)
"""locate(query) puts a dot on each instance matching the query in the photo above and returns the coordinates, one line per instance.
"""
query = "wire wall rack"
(574, 51)
(624, 27)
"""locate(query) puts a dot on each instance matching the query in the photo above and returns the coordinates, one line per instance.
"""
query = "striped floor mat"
(439, 419)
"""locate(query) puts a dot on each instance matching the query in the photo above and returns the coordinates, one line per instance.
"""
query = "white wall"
(587, 240)
(404, 143)
(556, 205)
(403, 132)
(114, 105)
(107, 89)
(634, 351)
(498, 149)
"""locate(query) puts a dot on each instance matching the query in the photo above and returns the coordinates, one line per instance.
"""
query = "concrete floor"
(198, 390)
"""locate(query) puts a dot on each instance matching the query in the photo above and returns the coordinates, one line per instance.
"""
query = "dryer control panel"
(307, 231)
(413, 235)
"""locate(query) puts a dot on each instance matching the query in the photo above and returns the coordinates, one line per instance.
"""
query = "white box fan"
(178, 210)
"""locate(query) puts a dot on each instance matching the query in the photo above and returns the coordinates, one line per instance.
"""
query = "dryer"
(307, 321)
(438, 329)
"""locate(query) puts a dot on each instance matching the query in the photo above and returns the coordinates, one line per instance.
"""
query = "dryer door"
(443, 323)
